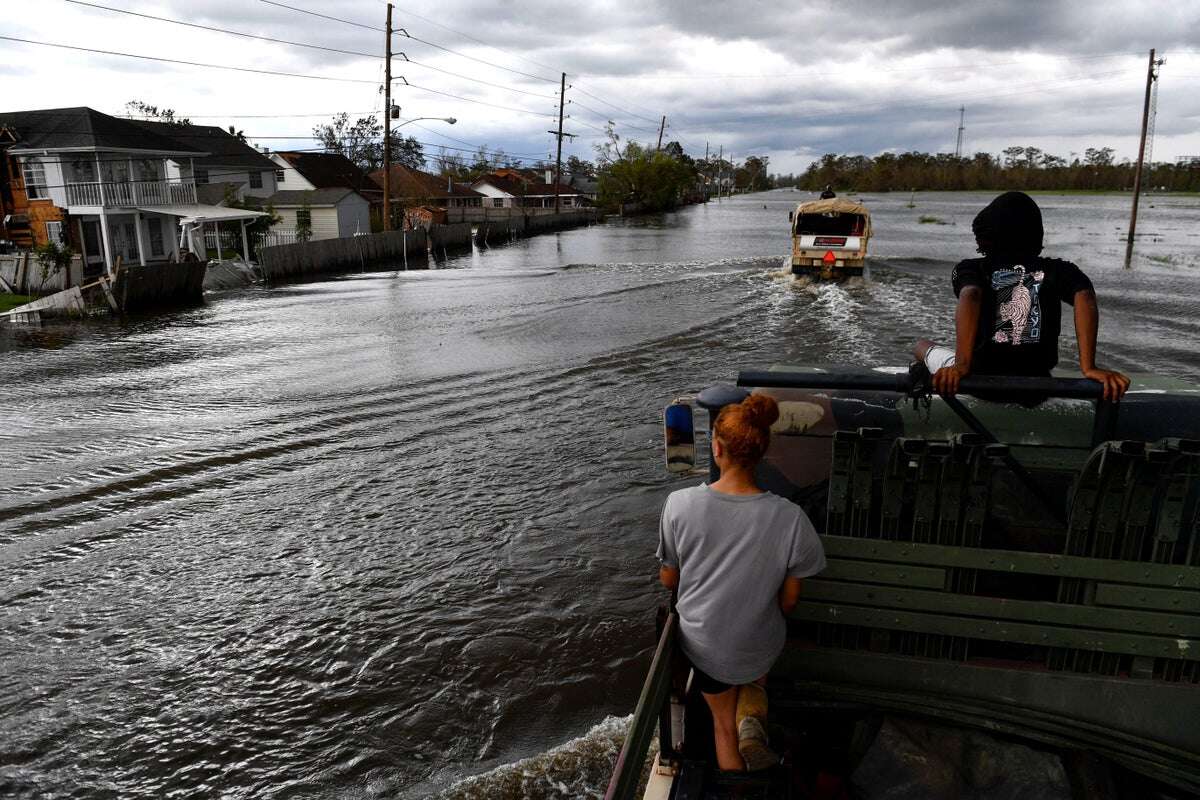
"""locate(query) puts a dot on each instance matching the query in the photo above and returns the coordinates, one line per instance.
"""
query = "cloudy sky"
(788, 80)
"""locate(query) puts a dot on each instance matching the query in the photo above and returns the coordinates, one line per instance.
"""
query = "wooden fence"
(350, 252)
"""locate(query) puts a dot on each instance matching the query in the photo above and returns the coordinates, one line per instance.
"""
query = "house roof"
(213, 194)
(315, 197)
(84, 128)
(414, 183)
(223, 148)
(329, 170)
(516, 188)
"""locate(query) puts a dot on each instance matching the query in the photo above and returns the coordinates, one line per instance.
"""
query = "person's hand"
(1114, 383)
(945, 380)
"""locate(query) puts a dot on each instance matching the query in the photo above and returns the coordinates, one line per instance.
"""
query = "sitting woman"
(735, 556)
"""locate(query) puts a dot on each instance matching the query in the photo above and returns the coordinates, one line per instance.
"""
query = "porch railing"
(131, 194)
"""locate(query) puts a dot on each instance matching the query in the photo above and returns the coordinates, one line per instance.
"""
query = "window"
(279, 176)
(35, 179)
(255, 180)
(201, 176)
(497, 202)
(155, 227)
(54, 232)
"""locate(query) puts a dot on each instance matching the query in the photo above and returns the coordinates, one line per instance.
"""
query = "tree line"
(1014, 168)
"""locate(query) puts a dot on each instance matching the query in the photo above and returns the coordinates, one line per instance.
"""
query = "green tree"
(304, 221)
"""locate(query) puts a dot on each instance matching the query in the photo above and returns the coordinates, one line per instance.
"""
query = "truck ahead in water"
(1025, 574)
(829, 238)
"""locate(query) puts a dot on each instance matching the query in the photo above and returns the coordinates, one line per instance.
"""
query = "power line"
(225, 30)
(472, 100)
(405, 33)
(472, 38)
(185, 63)
(322, 16)
(478, 80)
(612, 105)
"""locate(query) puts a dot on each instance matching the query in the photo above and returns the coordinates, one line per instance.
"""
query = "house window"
(497, 202)
(255, 180)
(35, 180)
(201, 176)
(54, 232)
(279, 176)
(155, 228)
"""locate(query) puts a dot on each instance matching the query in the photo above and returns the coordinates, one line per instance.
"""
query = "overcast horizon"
(788, 83)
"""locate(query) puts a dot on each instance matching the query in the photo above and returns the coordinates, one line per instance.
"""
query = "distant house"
(230, 161)
(110, 188)
(516, 189)
(587, 186)
(333, 213)
(412, 189)
(338, 192)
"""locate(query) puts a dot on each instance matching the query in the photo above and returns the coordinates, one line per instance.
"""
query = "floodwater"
(375, 535)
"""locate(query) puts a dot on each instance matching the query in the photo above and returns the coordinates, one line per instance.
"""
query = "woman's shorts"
(707, 683)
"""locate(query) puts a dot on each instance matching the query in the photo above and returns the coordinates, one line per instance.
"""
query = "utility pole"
(661, 128)
(962, 111)
(562, 93)
(720, 171)
(707, 166)
(559, 135)
(1137, 175)
(387, 124)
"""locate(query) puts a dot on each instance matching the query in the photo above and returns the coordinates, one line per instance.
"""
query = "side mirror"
(680, 434)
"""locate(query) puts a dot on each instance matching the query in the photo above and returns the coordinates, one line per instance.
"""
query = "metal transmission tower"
(962, 112)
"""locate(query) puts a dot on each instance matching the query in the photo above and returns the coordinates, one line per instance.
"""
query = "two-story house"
(230, 163)
(109, 187)
(334, 191)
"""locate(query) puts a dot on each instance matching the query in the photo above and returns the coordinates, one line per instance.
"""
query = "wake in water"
(579, 768)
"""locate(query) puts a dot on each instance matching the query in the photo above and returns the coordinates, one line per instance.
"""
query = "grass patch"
(10, 301)
(927, 220)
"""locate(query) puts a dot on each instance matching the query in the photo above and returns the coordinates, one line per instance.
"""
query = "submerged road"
(367, 536)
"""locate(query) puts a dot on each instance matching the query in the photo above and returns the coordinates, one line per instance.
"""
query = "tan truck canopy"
(835, 205)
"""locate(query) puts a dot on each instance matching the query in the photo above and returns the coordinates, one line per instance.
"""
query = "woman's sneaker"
(752, 744)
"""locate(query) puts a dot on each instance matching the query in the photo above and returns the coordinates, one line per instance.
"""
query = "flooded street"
(368, 536)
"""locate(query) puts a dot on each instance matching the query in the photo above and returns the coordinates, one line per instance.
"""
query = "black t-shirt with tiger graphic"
(1021, 315)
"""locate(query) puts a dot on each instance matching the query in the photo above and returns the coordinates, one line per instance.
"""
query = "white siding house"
(333, 213)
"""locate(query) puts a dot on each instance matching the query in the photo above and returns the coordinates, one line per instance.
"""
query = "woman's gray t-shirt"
(732, 553)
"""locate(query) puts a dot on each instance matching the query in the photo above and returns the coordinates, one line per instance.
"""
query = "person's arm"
(966, 326)
(1087, 324)
(789, 594)
(668, 577)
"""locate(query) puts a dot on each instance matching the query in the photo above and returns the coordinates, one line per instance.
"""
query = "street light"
(450, 120)
(394, 113)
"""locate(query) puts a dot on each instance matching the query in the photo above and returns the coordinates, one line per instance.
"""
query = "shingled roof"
(83, 128)
(223, 148)
(407, 182)
(330, 171)
(519, 188)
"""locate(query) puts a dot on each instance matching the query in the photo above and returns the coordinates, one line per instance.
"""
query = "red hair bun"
(745, 428)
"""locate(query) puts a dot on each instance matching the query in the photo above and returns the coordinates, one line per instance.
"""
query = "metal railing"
(130, 194)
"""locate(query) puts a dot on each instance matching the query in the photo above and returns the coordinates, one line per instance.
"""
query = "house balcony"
(131, 194)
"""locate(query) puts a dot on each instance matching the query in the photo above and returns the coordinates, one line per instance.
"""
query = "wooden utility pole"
(661, 128)
(562, 94)
(387, 124)
(1137, 174)
(720, 171)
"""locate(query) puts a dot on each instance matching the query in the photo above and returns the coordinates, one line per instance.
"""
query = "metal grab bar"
(869, 381)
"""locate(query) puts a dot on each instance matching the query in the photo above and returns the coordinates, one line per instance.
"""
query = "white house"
(338, 192)
(229, 160)
(513, 190)
(111, 187)
(333, 213)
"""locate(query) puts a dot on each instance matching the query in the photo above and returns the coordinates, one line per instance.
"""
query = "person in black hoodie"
(1009, 311)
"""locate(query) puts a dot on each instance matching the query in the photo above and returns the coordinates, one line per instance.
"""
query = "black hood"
(1010, 226)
